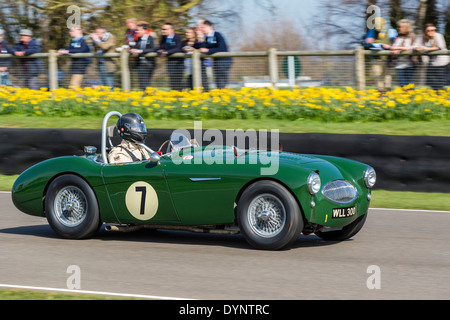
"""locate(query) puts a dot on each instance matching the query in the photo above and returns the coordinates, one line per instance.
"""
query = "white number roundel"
(141, 200)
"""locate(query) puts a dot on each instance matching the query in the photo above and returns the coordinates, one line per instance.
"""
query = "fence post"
(125, 70)
(196, 70)
(273, 67)
(53, 69)
(360, 68)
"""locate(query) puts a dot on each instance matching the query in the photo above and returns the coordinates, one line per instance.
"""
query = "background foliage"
(340, 23)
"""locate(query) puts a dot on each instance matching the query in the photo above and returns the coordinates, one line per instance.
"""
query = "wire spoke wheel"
(70, 206)
(266, 215)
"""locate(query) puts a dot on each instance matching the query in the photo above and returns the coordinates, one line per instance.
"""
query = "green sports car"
(186, 187)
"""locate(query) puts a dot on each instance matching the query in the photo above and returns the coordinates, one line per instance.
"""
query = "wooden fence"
(359, 55)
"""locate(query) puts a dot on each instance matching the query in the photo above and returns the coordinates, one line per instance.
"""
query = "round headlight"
(370, 177)
(313, 183)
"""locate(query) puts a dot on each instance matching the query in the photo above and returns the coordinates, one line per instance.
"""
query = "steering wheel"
(193, 143)
(163, 145)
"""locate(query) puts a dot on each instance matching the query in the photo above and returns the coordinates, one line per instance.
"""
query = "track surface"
(411, 249)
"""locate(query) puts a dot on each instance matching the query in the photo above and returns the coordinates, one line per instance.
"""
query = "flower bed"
(324, 104)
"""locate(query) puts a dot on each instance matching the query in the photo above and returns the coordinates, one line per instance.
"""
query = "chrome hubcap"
(266, 215)
(70, 206)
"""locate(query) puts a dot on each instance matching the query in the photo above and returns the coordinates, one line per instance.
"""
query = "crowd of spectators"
(406, 66)
(139, 40)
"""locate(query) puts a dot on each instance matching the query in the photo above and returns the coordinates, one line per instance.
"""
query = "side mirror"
(90, 150)
(154, 157)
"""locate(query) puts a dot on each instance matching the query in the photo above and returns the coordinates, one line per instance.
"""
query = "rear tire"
(268, 216)
(71, 208)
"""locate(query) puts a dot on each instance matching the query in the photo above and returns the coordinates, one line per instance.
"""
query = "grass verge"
(393, 127)
(410, 200)
(19, 294)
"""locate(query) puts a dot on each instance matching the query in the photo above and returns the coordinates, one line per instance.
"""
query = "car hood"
(289, 158)
(331, 167)
(252, 156)
(299, 158)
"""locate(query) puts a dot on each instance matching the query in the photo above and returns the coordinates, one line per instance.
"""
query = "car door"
(202, 193)
(139, 193)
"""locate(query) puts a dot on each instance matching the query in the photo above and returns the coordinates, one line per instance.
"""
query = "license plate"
(344, 212)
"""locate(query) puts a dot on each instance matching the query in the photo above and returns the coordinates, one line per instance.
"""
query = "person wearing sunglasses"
(405, 65)
(169, 44)
(144, 44)
(436, 65)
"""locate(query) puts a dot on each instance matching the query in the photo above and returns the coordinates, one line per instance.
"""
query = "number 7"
(144, 193)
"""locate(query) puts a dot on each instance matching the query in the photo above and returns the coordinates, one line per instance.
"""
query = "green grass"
(6, 182)
(18, 294)
(393, 127)
(410, 200)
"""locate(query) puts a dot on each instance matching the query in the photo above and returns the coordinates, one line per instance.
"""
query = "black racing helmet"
(131, 127)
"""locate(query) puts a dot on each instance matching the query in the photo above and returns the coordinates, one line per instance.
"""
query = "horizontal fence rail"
(357, 68)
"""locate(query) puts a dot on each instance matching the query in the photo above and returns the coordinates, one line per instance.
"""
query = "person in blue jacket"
(79, 65)
(169, 44)
(31, 67)
(4, 63)
(214, 42)
(144, 44)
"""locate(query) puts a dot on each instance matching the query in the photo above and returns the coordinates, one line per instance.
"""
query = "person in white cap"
(4, 63)
(30, 67)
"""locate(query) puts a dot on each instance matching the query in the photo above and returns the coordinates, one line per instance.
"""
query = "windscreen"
(179, 141)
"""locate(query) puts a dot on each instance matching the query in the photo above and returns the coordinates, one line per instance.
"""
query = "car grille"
(340, 191)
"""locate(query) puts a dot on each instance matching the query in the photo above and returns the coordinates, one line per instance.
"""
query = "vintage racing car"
(324, 195)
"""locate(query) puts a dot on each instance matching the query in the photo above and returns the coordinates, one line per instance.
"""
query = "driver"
(132, 129)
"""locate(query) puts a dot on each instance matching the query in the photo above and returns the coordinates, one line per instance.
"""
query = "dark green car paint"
(196, 194)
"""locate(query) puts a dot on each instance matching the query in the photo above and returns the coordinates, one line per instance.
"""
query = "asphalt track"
(409, 249)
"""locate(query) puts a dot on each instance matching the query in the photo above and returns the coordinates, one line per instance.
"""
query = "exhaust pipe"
(123, 228)
(131, 228)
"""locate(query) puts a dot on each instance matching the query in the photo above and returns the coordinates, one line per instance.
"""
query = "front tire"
(268, 216)
(346, 233)
(71, 208)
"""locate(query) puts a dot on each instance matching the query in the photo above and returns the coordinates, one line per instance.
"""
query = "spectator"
(4, 63)
(188, 47)
(205, 62)
(131, 36)
(105, 42)
(31, 67)
(215, 42)
(436, 65)
(376, 39)
(144, 65)
(78, 65)
(172, 43)
(405, 65)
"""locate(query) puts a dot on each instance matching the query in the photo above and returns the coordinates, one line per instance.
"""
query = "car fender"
(29, 189)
